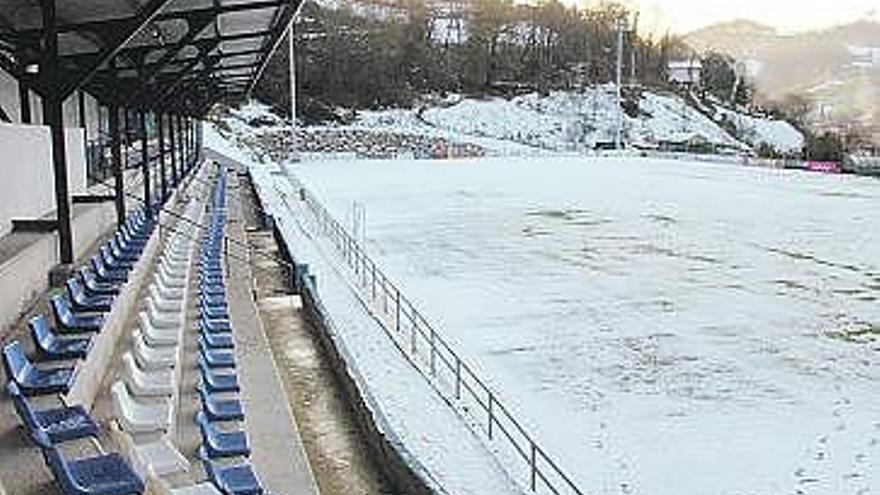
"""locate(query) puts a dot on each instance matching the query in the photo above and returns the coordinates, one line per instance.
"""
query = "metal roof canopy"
(171, 57)
(166, 55)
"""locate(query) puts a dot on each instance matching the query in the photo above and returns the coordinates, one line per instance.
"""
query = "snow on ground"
(779, 134)
(407, 121)
(663, 327)
(565, 120)
(560, 121)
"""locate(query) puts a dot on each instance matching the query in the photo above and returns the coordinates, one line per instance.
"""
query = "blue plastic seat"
(118, 252)
(30, 379)
(106, 474)
(214, 326)
(212, 277)
(217, 382)
(106, 274)
(218, 443)
(217, 358)
(95, 288)
(237, 479)
(129, 245)
(213, 300)
(68, 321)
(220, 409)
(60, 424)
(134, 236)
(113, 262)
(83, 302)
(212, 286)
(217, 340)
(213, 312)
(53, 347)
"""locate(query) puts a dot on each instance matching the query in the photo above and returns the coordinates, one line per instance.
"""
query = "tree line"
(366, 54)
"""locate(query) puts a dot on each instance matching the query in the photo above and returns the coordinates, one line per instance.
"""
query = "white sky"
(680, 16)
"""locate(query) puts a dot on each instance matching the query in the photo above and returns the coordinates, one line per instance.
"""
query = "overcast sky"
(681, 16)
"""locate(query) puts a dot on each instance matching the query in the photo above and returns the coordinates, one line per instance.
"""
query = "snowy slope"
(564, 120)
(561, 121)
(778, 134)
(665, 327)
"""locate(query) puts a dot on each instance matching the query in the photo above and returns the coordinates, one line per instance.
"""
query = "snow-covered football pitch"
(663, 327)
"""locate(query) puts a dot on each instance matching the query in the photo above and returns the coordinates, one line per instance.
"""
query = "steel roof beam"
(284, 21)
(113, 24)
(141, 19)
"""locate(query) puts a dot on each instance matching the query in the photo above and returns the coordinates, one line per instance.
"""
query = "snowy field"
(663, 327)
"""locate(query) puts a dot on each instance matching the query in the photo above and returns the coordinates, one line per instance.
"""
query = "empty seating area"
(173, 411)
(79, 317)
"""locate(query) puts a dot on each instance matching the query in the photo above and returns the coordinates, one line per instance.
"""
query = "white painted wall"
(26, 188)
(28, 185)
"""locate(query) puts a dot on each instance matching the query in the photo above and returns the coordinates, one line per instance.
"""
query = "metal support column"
(53, 115)
(145, 159)
(24, 102)
(116, 154)
(81, 106)
(126, 142)
(189, 139)
(173, 146)
(181, 143)
(160, 124)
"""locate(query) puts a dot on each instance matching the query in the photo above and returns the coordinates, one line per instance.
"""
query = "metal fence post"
(433, 352)
(397, 307)
(533, 474)
(490, 415)
(414, 335)
(457, 377)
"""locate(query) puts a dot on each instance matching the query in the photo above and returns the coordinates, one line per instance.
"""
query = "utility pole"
(291, 70)
(617, 77)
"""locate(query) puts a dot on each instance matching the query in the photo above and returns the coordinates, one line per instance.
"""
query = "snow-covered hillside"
(778, 134)
(560, 121)
(579, 120)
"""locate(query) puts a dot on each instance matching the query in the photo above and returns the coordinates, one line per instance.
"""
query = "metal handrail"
(434, 357)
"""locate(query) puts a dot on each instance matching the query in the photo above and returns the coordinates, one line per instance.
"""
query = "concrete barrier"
(402, 468)
(90, 372)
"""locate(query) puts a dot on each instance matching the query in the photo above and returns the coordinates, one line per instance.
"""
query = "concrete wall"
(400, 466)
(27, 190)
(9, 101)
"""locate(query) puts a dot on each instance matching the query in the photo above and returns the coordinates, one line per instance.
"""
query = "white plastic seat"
(156, 383)
(161, 457)
(169, 281)
(150, 457)
(163, 319)
(153, 358)
(158, 337)
(140, 417)
(163, 304)
(178, 272)
(175, 267)
(169, 292)
(174, 259)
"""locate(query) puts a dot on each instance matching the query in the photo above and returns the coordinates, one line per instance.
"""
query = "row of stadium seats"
(78, 317)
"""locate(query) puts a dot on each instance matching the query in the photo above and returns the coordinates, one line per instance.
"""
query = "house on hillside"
(684, 72)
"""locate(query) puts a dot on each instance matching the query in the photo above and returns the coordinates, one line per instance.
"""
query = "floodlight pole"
(617, 79)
